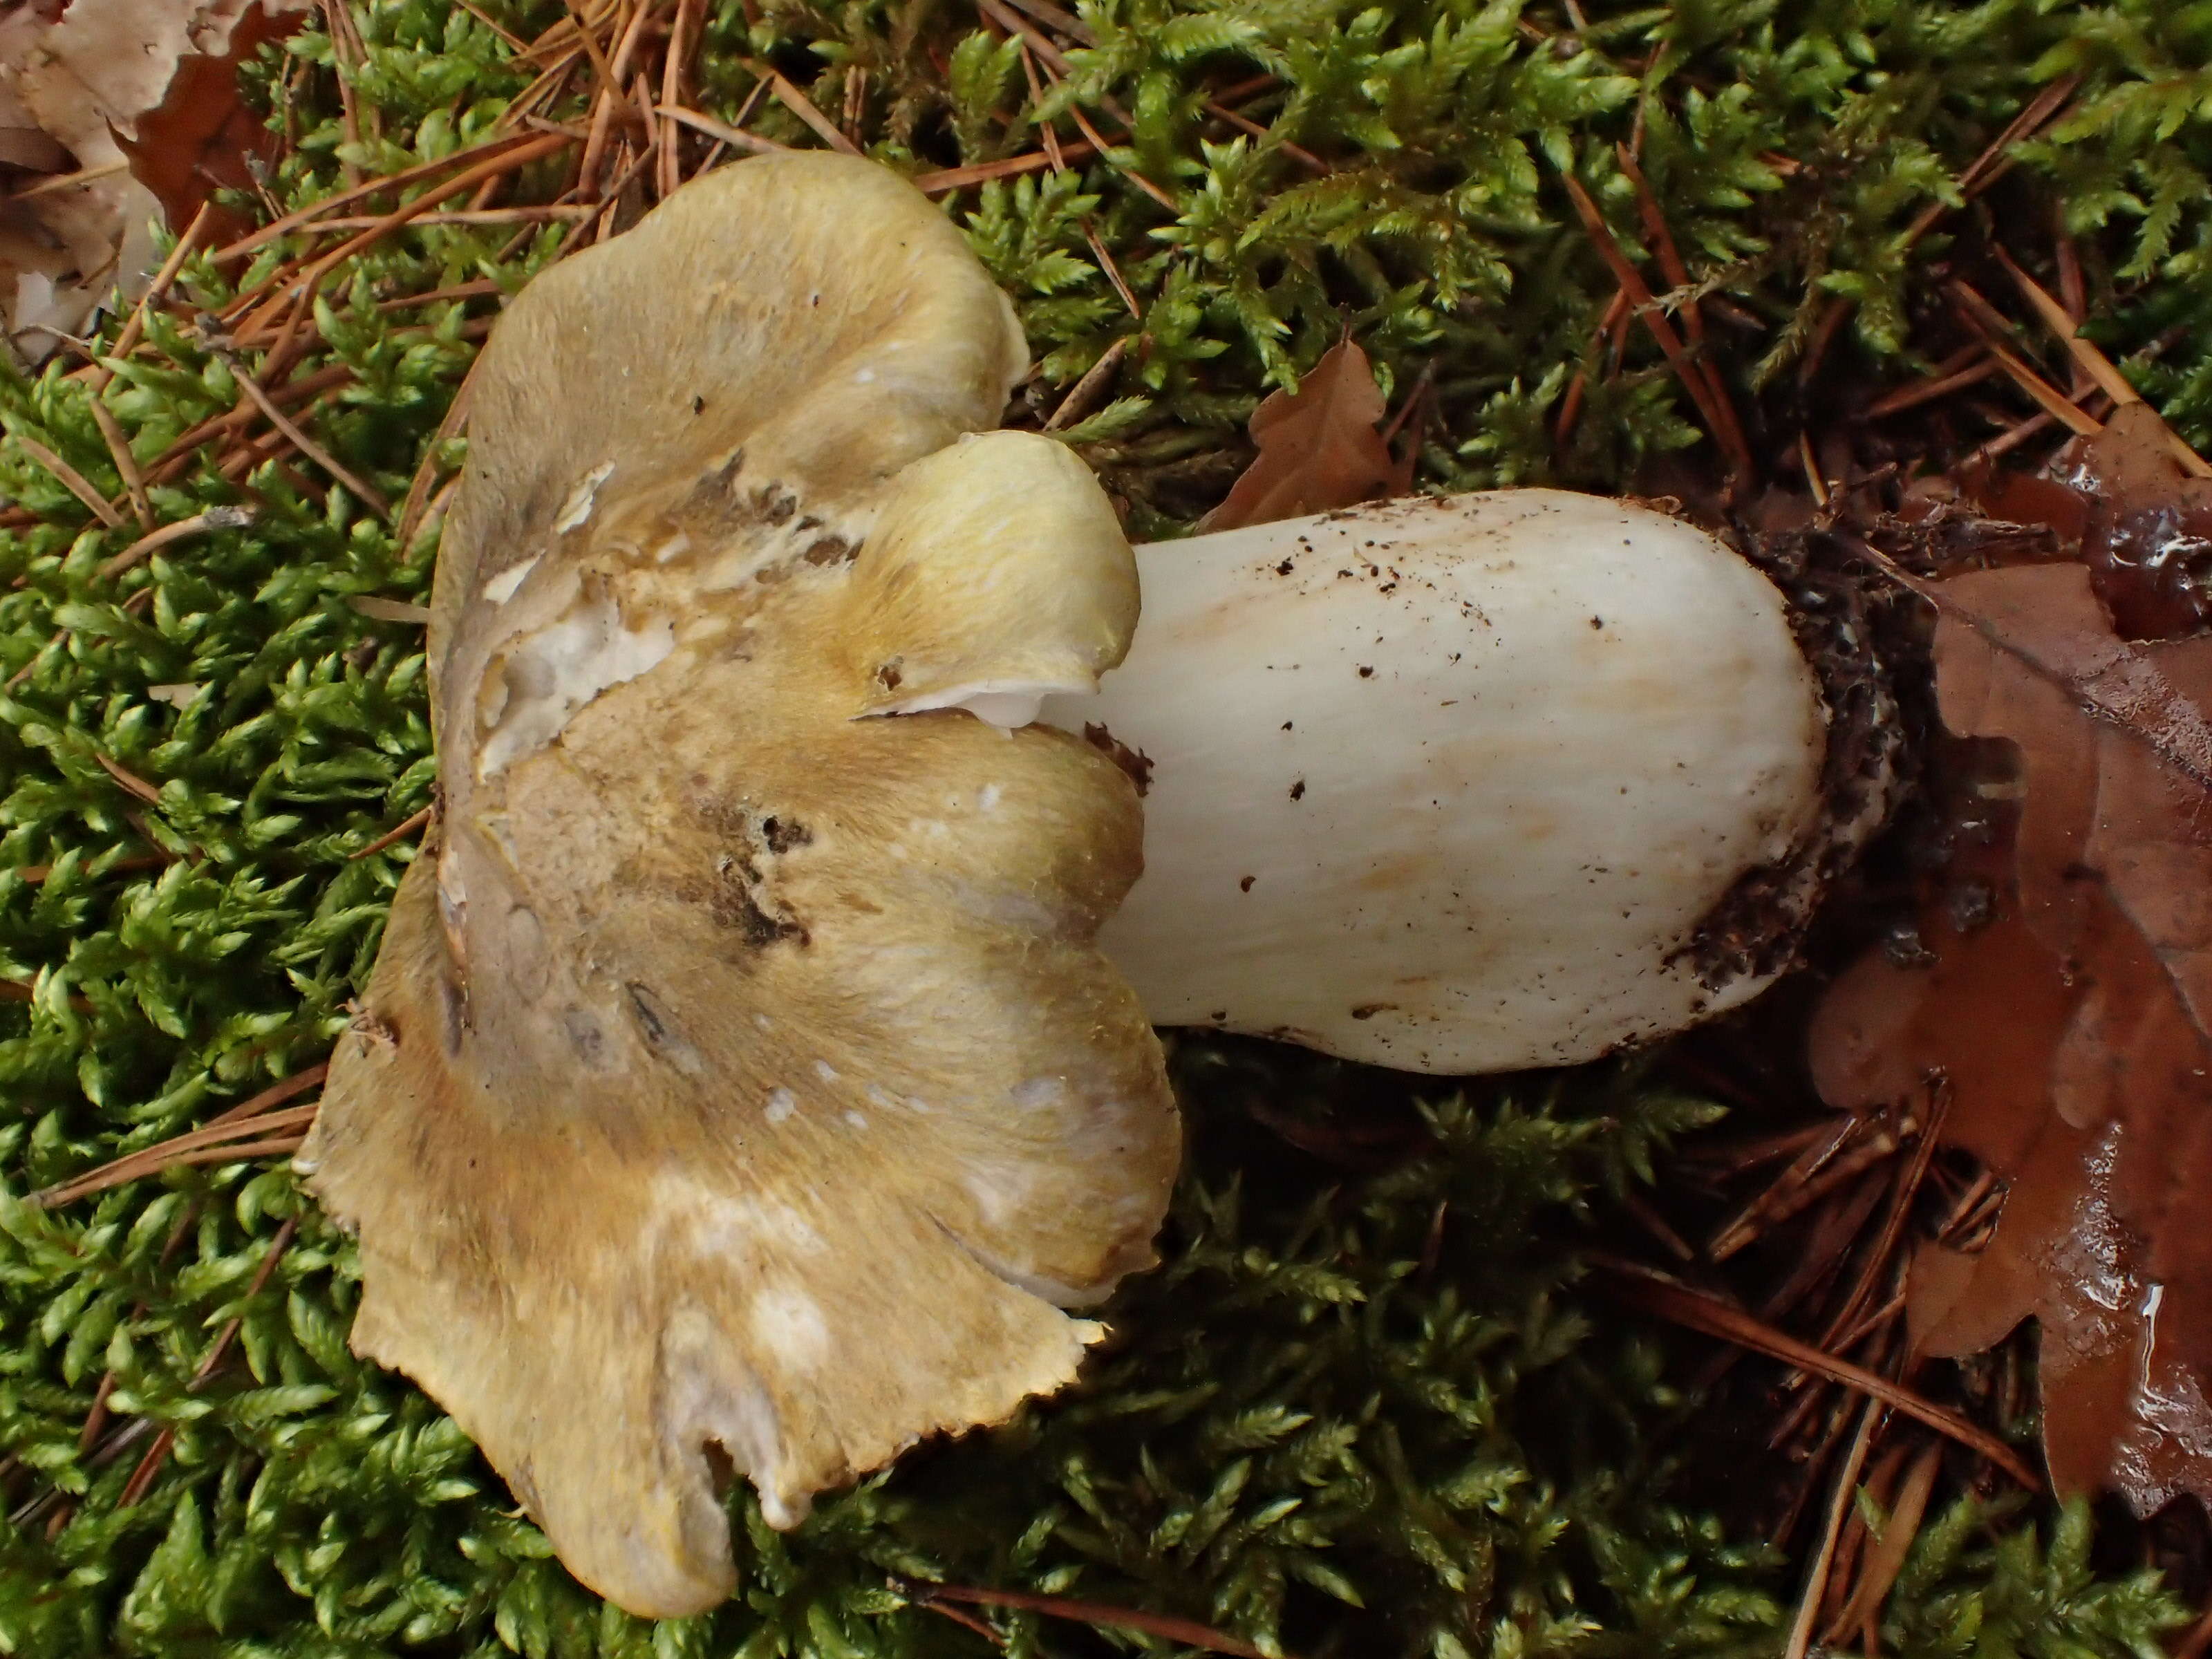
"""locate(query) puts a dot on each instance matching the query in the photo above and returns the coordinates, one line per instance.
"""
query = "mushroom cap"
(739, 1079)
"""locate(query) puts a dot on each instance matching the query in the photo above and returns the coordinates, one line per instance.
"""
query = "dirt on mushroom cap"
(738, 1070)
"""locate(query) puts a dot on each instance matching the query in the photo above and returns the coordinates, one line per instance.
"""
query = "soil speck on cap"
(1298, 790)
(1134, 761)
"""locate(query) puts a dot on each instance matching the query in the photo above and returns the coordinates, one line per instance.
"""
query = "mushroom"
(739, 1087)
(743, 1086)
(1458, 785)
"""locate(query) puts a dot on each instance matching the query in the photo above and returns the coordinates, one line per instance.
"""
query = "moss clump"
(1361, 1409)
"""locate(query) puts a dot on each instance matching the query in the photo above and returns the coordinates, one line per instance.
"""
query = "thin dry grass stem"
(1981, 1192)
(1876, 1488)
(1112, 270)
(135, 329)
(1969, 365)
(1816, 1580)
(966, 1621)
(1084, 394)
(507, 161)
(221, 1349)
(536, 214)
(1722, 427)
(1050, 139)
(2054, 403)
(126, 463)
(1865, 1328)
(1886, 1553)
(1811, 468)
(633, 31)
(675, 64)
(130, 780)
(315, 451)
(587, 37)
(1883, 1258)
(426, 475)
(983, 172)
(342, 59)
(1646, 1216)
(141, 1478)
(1736, 1157)
(802, 106)
(257, 1115)
(483, 288)
(1067, 23)
(1098, 145)
(1299, 153)
(33, 875)
(1815, 1172)
(2092, 365)
(514, 43)
(95, 1420)
(215, 518)
(1188, 1631)
(735, 137)
(71, 480)
(1570, 406)
(272, 1097)
(1677, 1303)
(1661, 239)
(398, 833)
(541, 92)
(1991, 164)
(17, 990)
(233, 1142)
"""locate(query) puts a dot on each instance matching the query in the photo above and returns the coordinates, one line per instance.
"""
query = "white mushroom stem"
(1454, 786)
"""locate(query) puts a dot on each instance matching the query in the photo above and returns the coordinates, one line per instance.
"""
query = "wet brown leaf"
(2068, 1009)
(1319, 446)
(201, 137)
(2123, 502)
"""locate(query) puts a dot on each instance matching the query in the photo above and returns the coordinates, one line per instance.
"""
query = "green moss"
(1332, 1420)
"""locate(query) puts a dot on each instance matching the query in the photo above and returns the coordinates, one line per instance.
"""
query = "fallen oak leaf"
(201, 137)
(2069, 1009)
(1319, 446)
(75, 83)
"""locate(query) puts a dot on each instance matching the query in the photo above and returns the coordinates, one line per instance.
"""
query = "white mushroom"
(1454, 786)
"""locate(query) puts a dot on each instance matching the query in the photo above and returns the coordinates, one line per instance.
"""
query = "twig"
(215, 518)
